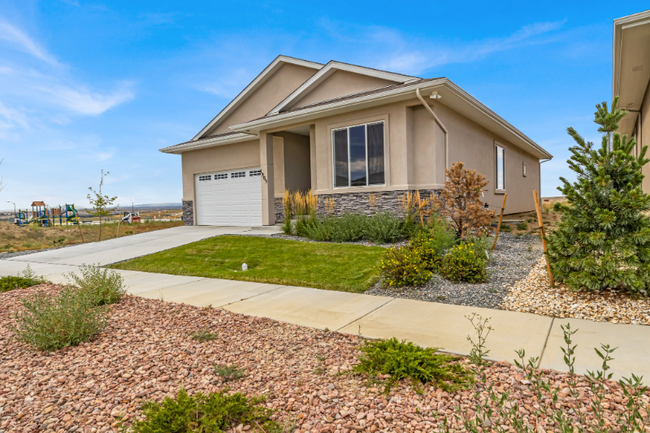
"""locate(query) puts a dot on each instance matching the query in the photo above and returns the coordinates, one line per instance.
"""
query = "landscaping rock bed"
(512, 260)
(534, 294)
(147, 353)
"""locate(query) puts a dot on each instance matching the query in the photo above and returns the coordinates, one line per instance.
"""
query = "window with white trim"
(205, 177)
(359, 155)
(500, 168)
(238, 174)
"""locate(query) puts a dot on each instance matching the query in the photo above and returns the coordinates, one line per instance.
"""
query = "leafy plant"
(101, 203)
(103, 286)
(54, 322)
(522, 225)
(479, 350)
(229, 372)
(203, 335)
(464, 263)
(460, 201)
(212, 413)
(506, 228)
(603, 238)
(349, 227)
(405, 360)
(424, 245)
(383, 228)
(27, 278)
(404, 266)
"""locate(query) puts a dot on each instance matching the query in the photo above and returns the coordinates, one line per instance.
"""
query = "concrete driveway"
(129, 247)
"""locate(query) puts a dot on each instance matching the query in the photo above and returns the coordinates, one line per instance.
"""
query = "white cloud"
(82, 101)
(21, 41)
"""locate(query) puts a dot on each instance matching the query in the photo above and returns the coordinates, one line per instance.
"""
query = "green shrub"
(482, 245)
(522, 225)
(404, 266)
(402, 360)
(212, 413)
(103, 286)
(506, 228)
(348, 227)
(383, 228)
(229, 372)
(442, 236)
(203, 335)
(26, 278)
(320, 229)
(464, 263)
(54, 322)
(424, 245)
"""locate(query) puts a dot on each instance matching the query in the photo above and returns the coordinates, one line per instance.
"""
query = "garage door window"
(238, 174)
(359, 155)
(203, 178)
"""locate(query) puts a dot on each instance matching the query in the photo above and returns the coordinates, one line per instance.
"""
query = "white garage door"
(229, 198)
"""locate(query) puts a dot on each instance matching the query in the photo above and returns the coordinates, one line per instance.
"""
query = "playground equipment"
(44, 216)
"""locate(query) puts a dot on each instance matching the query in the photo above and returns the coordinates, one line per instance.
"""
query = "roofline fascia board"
(621, 24)
(217, 141)
(332, 67)
(259, 80)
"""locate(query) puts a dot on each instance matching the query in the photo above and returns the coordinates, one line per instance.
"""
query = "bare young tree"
(101, 203)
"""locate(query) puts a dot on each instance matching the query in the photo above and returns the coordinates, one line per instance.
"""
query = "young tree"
(460, 201)
(101, 203)
(603, 238)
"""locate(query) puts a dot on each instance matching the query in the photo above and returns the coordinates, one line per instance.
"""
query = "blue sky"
(87, 85)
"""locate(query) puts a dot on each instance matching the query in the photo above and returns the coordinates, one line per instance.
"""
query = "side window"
(500, 168)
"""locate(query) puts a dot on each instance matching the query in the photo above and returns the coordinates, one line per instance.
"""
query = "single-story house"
(631, 74)
(347, 132)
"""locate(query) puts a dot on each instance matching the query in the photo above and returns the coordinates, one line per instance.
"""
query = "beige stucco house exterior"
(347, 132)
(631, 75)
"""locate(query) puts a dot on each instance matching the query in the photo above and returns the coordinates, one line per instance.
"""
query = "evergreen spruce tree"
(603, 238)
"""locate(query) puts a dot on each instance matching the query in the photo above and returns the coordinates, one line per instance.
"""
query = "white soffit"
(328, 70)
(257, 82)
(631, 65)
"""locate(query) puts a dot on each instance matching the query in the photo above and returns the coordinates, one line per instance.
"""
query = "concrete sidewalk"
(425, 323)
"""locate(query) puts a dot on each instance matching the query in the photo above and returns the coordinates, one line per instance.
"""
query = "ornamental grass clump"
(464, 263)
(405, 360)
(603, 238)
(212, 413)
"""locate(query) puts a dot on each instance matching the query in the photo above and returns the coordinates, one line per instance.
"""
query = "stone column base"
(188, 212)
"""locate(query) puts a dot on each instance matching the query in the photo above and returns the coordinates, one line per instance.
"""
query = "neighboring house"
(347, 132)
(631, 74)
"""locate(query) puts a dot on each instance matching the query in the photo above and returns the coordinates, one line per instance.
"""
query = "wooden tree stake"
(80, 232)
(541, 231)
(503, 208)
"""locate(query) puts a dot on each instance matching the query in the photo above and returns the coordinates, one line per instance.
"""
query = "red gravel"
(146, 353)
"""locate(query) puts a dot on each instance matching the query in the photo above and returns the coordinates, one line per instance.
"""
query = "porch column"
(268, 189)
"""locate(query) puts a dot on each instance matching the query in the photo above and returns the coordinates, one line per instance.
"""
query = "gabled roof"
(329, 69)
(258, 81)
(453, 96)
(209, 141)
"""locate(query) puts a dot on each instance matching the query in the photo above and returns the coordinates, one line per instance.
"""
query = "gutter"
(437, 119)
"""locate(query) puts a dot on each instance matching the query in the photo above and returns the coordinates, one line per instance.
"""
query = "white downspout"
(417, 93)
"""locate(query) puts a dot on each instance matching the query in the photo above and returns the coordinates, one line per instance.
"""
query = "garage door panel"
(228, 200)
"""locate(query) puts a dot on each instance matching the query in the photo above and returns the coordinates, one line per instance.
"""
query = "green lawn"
(349, 268)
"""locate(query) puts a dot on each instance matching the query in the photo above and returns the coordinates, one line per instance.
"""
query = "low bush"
(424, 245)
(212, 413)
(349, 227)
(26, 278)
(442, 236)
(383, 228)
(404, 266)
(229, 372)
(203, 335)
(53, 322)
(103, 286)
(464, 263)
(405, 360)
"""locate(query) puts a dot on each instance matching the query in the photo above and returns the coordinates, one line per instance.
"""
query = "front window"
(500, 169)
(359, 155)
